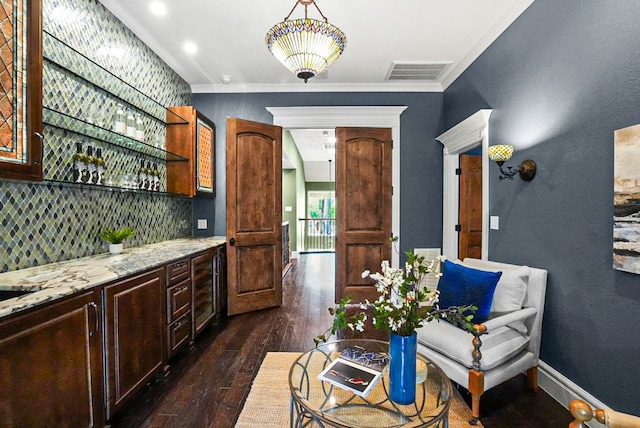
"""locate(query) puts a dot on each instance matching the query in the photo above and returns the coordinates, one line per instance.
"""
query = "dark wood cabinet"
(204, 297)
(209, 287)
(134, 331)
(195, 141)
(179, 296)
(51, 365)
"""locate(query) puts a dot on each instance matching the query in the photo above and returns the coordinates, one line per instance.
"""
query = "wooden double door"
(254, 212)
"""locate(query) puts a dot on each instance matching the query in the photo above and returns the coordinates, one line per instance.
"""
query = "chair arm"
(492, 324)
(502, 320)
(582, 413)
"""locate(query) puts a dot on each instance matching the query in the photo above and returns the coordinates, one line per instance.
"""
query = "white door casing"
(468, 134)
(361, 116)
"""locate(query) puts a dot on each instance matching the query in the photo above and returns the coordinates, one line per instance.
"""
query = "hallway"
(207, 384)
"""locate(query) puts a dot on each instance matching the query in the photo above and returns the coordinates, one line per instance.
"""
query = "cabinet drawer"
(179, 334)
(178, 271)
(178, 300)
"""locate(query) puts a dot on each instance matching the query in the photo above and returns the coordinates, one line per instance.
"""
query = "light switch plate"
(494, 222)
(202, 223)
(288, 208)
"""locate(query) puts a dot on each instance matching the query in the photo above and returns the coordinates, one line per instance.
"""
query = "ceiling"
(441, 35)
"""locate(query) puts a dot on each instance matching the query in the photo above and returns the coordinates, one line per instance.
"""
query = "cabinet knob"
(232, 242)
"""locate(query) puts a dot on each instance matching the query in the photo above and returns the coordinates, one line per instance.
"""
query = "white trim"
(494, 32)
(466, 135)
(365, 116)
(299, 86)
(563, 390)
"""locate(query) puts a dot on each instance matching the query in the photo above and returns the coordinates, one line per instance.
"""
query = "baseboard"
(563, 390)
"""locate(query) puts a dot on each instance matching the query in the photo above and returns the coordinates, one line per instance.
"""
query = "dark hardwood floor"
(207, 384)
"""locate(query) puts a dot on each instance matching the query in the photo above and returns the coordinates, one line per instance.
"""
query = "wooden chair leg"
(476, 388)
(532, 379)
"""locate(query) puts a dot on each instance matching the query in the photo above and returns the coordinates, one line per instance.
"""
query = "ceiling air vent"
(416, 70)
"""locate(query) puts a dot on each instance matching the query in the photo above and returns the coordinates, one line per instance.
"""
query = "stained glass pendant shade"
(306, 46)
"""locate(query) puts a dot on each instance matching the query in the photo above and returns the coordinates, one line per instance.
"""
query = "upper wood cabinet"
(21, 93)
(195, 141)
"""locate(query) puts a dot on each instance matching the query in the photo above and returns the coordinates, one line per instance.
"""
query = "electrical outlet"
(202, 223)
(494, 222)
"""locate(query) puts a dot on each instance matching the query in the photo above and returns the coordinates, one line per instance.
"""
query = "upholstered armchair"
(582, 413)
(506, 344)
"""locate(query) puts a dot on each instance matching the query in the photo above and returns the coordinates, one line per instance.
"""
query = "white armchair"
(507, 344)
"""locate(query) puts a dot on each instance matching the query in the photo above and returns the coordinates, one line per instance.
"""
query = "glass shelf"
(64, 121)
(70, 184)
(61, 54)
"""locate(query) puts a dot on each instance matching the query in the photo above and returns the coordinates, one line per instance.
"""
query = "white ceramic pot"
(115, 248)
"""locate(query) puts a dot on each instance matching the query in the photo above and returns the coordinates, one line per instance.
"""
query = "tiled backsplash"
(50, 222)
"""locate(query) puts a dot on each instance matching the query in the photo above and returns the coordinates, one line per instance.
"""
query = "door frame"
(468, 134)
(360, 116)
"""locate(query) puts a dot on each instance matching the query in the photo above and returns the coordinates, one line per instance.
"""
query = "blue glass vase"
(402, 368)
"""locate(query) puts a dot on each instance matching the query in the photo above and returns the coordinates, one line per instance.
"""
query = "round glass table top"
(322, 402)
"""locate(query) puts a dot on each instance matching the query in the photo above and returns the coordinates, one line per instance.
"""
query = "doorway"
(468, 134)
(352, 116)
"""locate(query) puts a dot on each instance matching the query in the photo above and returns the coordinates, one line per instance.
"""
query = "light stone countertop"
(53, 281)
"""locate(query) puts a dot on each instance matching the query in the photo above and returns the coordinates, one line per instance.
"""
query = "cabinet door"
(51, 366)
(134, 335)
(204, 300)
(195, 141)
(21, 104)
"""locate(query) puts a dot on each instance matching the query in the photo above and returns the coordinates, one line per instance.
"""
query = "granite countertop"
(53, 281)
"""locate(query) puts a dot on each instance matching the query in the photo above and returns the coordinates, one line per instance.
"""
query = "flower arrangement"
(403, 305)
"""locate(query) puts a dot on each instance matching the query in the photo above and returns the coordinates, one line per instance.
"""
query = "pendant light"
(306, 46)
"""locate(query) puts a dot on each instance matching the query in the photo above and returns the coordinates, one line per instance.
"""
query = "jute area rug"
(267, 405)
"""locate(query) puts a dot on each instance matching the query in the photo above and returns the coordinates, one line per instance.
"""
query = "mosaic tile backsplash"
(49, 222)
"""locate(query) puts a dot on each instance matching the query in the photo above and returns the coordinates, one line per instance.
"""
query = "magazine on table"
(374, 360)
(356, 370)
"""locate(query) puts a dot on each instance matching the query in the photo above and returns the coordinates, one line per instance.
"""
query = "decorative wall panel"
(626, 225)
(50, 222)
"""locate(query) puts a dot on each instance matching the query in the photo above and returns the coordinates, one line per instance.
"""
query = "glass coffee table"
(317, 403)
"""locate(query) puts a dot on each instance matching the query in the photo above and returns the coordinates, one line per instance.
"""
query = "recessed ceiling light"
(190, 48)
(158, 8)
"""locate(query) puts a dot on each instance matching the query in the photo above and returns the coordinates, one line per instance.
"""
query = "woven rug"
(267, 405)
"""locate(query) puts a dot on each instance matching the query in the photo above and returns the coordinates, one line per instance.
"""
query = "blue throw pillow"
(460, 285)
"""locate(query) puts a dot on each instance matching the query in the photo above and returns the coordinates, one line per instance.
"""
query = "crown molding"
(319, 87)
(494, 32)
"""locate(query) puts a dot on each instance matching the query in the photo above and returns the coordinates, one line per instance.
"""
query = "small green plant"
(117, 236)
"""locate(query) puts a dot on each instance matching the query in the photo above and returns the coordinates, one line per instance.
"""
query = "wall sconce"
(502, 153)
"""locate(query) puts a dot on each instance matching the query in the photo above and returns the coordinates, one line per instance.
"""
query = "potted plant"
(116, 237)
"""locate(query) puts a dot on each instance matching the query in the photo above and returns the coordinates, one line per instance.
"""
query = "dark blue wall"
(420, 154)
(560, 80)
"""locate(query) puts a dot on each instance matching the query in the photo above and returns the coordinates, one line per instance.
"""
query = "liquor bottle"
(156, 178)
(78, 161)
(92, 167)
(142, 175)
(101, 167)
(139, 127)
(119, 124)
(149, 181)
(131, 125)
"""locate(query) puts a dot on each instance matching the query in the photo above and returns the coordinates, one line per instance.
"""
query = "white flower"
(366, 273)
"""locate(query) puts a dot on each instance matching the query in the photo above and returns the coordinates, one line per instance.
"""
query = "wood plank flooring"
(207, 384)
